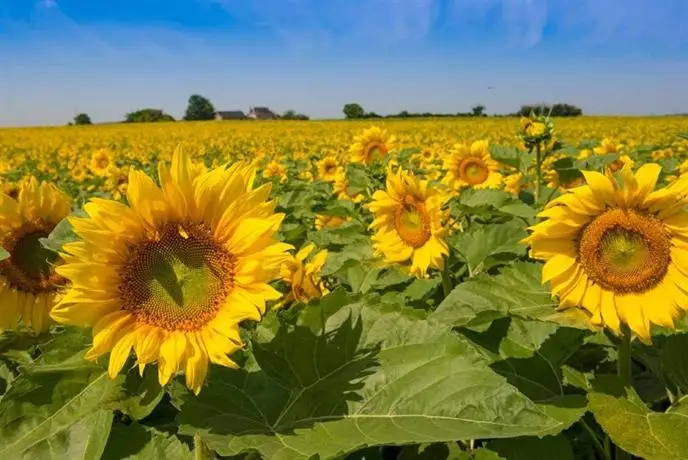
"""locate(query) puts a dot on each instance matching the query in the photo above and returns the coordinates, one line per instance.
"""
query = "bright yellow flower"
(101, 162)
(322, 221)
(304, 277)
(275, 169)
(341, 185)
(328, 168)
(618, 251)
(173, 274)
(372, 145)
(471, 167)
(409, 223)
(28, 281)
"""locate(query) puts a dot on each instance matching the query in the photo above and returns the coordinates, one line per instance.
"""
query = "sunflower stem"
(623, 368)
(538, 172)
(599, 447)
(447, 285)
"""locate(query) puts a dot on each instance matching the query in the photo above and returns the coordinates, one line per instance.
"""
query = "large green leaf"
(366, 374)
(517, 291)
(483, 247)
(137, 442)
(530, 354)
(527, 448)
(675, 361)
(58, 408)
(636, 429)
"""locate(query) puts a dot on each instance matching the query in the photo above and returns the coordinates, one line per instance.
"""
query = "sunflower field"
(467, 289)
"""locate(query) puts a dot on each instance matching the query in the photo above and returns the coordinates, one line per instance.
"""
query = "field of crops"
(468, 289)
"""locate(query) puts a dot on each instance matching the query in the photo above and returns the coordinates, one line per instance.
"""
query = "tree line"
(354, 110)
(199, 108)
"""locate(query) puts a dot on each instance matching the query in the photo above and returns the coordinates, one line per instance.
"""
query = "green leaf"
(486, 246)
(141, 394)
(137, 442)
(58, 409)
(524, 448)
(633, 427)
(369, 374)
(516, 290)
(62, 234)
(675, 361)
(437, 451)
(4, 254)
(530, 354)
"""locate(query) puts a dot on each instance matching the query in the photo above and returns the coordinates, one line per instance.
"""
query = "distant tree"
(478, 110)
(371, 115)
(353, 111)
(556, 110)
(147, 116)
(289, 115)
(199, 108)
(82, 119)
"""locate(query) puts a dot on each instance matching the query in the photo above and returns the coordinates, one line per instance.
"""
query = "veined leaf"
(366, 375)
(633, 427)
(484, 247)
(58, 408)
(137, 442)
(516, 290)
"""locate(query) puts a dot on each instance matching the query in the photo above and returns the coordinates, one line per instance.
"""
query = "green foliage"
(147, 116)
(363, 384)
(555, 110)
(82, 119)
(199, 108)
(353, 111)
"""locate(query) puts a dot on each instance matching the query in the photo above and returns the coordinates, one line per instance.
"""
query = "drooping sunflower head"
(302, 276)
(409, 223)
(372, 145)
(618, 249)
(174, 273)
(471, 166)
(324, 221)
(28, 281)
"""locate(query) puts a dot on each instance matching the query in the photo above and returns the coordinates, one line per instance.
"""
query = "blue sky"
(61, 57)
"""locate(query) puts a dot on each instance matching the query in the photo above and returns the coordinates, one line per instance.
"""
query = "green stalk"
(447, 285)
(538, 173)
(623, 369)
(604, 453)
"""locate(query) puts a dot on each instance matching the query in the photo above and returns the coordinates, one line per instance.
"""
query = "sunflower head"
(28, 278)
(471, 166)
(409, 223)
(372, 145)
(174, 273)
(617, 249)
(304, 277)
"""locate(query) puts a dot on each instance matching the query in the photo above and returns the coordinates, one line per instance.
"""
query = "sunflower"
(471, 167)
(174, 273)
(372, 145)
(275, 169)
(409, 223)
(28, 282)
(328, 168)
(101, 162)
(323, 221)
(619, 250)
(341, 188)
(304, 277)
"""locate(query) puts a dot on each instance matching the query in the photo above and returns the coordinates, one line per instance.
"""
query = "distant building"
(261, 113)
(230, 115)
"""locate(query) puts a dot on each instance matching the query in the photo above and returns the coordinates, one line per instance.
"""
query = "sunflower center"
(412, 222)
(474, 171)
(177, 281)
(330, 168)
(625, 251)
(375, 151)
(30, 266)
